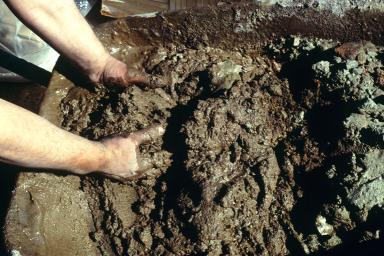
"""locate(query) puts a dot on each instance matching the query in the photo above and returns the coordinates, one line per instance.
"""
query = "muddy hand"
(124, 161)
(117, 73)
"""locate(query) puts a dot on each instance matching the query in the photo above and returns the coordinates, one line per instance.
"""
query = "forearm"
(28, 140)
(62, 26)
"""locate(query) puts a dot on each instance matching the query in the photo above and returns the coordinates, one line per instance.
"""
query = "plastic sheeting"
(124, 8)
(18, 40)
(85, 5)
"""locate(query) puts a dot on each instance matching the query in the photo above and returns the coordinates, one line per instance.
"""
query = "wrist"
(95, 160)
(105, 158)
(95, 69)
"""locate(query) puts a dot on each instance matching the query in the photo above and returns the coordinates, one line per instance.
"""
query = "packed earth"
(271, 152)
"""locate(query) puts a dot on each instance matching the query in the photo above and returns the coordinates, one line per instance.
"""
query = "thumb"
(148, 134)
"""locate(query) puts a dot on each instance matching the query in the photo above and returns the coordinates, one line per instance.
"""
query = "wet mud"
(273, 144)
(267, 152)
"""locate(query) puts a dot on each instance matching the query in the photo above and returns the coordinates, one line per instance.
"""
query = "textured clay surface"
(273, 145)
(269, 152)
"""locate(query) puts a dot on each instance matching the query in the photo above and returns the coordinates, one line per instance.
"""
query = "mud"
(336, 7)
(272, 147)
(269, 152)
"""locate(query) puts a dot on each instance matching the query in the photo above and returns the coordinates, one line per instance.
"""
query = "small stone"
(362, 57)
(146, 237)
(352, 64)
(275, 90)
(296, 41)
(323, 227)
(338, 59)
(15, 253)
(368, 191)
(331, 173)
(313, 244)
(372, 54)
(322, 68)
(249, 126)
(301, 115)
(309, 46)
(224, 74)
(333, 242)
(358, 71)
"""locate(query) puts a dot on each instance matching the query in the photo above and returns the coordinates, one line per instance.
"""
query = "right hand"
(116, 73)
(124, 161)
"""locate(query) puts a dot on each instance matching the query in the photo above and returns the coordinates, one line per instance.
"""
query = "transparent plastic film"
(20, 41)
(124, 8)
(85, 5)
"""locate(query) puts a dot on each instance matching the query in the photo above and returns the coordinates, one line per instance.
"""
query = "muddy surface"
(273, 152)
(28, 96)
(271, 148)
(336, 7)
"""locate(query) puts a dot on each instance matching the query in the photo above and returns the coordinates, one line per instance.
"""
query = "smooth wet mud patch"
(268, 152)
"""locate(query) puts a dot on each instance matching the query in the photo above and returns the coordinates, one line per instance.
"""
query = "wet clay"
(246, 156)
(218, 154)
(273, 148)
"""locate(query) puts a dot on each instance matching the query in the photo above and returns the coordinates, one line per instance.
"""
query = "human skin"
(61, 25)
(29, 140)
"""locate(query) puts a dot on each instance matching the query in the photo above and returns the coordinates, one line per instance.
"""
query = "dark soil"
(270, 149)
(274, 152)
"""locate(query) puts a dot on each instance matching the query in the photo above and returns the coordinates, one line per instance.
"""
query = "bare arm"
(29, 140)
(62, 26)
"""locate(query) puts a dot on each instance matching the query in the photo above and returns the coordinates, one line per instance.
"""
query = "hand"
(124, 161)
(113, 72)
(116, 73)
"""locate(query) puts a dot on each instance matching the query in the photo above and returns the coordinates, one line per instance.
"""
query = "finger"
(148, 134)
(161, 159)
(144, 166)
(134, 76)
(116, 177)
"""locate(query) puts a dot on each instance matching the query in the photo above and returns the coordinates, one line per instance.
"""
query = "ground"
(272, 146)
(271, 152)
